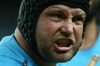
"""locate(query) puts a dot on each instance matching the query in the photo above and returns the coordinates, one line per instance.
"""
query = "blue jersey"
(11, 54)
(83, 57)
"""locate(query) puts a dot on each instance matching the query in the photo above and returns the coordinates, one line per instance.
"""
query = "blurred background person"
(92, 29)
(91, 40)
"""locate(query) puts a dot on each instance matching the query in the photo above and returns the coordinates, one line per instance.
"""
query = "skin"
(55, 23)
(93, 61)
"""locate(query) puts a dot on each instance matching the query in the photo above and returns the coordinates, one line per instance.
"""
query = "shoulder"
(5, 44)
(11, 54)
(8, 52)
(6, 60)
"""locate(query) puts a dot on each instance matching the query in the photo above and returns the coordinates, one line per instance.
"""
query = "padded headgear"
(31, 9)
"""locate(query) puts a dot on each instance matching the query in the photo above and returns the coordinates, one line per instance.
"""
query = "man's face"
(59, 32)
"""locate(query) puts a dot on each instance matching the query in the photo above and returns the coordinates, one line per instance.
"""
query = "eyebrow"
(81, 15)
(78, 12)
(54, 9)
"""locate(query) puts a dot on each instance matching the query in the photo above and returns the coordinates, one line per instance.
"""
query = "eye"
(78, 19)
(56, 16)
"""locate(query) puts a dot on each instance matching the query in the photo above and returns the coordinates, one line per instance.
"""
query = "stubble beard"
(46, 50)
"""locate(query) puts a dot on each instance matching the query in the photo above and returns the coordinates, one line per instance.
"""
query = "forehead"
(65, 8)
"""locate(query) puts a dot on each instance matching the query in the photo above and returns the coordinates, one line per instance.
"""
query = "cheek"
(78, 32)
(49, 29)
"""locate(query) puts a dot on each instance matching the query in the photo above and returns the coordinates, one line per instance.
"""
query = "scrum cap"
(31, 9)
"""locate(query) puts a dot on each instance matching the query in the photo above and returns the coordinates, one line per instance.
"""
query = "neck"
(23, 44)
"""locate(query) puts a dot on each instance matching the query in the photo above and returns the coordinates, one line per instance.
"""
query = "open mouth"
(63, 44)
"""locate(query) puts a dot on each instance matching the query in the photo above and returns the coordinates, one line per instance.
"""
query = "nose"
(67, 28)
